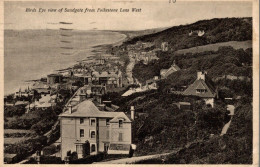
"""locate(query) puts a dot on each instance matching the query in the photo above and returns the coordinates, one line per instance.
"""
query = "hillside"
(195, 53)
(162, 127)
(132, 34)
(216, 30)
(224, 61)
(214, 47)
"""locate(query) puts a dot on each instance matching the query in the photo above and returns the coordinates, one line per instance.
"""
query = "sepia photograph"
(130, 82)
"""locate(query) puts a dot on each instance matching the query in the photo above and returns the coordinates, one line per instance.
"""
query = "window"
(81, 120)
(81, 132)
(93, 134)
(79, 149)
(107, 135)
(93, 147)
(120, 137)
(201, 90)
(107, 122)
(120, 123)
(92, 122)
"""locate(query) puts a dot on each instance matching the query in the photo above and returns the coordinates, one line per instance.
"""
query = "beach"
(32, 54)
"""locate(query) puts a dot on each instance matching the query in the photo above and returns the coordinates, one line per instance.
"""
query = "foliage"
(48, 150)
(38, 120)
(26, 147)
(225, 61)
(89, 159)
(46, 160)
(11, 111)
(164, 127)
(216, 30)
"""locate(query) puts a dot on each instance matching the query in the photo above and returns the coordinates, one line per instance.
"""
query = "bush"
(89, 159)
(11, 111)
(49, 150)
(26, 147)
(46, 160)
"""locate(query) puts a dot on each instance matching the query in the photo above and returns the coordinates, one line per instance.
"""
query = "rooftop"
(88, 109)
(198, 84)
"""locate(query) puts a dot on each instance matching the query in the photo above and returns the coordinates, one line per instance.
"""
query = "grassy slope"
(214, 47)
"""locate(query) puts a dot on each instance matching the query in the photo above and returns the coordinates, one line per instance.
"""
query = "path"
(26, 159)
(231, 109)
(129, 69)
(134, 160)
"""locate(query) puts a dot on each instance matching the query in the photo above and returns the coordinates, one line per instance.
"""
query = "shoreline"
(95, 50)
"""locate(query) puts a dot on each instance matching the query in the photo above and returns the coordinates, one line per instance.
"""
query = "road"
(133, 160)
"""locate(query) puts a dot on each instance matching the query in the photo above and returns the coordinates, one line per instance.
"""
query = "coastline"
(91, 52)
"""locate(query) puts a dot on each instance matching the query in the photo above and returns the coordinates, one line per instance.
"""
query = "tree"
(86, 148)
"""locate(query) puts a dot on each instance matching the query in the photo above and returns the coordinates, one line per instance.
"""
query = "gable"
(120, 116)
(199, 85)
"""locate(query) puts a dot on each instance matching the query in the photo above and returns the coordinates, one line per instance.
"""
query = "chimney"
(70, 108)
(132, 112)
(201, 75)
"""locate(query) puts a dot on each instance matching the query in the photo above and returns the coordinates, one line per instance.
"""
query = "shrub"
(89, 159)
(49, 150)
(26, 147)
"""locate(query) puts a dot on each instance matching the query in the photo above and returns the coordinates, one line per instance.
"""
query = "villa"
(166, 72)
(201, 87)
(87, 130)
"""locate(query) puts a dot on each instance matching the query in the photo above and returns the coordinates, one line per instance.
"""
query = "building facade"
(166, 72)
(101, 131)
(201, 87)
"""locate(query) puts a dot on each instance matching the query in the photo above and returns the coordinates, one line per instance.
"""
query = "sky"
(154, 14)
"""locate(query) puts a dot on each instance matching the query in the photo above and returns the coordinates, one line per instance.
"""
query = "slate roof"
(121, 115)
(200, 84)
(106, 74)
(9, 155)
(88, 109)
(167, 72)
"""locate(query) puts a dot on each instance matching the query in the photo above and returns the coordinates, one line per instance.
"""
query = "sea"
(32, 54)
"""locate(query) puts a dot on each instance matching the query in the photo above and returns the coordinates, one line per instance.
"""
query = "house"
(166, 72)
(86, 129)
(10, 158)
(201, 87)
(110, 79)
(18, 103)
(151, 84)
(165, 46)
(41, 88)
(197, 32)
(184, 106)
(46, 101)
(54, 78)
(90, 90)
(25, 93)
